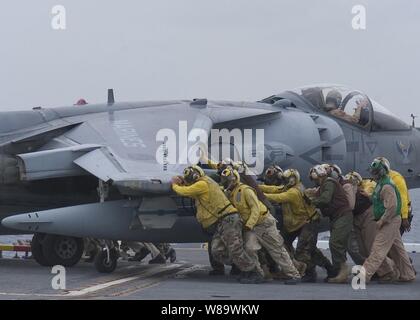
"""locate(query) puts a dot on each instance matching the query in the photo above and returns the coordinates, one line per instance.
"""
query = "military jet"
(74, 172)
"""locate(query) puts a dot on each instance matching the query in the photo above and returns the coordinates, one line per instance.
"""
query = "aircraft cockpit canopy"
(351, 106)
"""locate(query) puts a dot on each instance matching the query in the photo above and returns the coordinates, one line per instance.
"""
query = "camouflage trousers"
(306, 249)
(265, 235)
(227, 245)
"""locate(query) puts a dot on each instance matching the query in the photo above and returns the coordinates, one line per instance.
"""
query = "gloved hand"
(405, 223)
(246, 228)
(178, 180)
(380, 223)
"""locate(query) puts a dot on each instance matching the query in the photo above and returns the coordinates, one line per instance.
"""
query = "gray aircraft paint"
(82, 141)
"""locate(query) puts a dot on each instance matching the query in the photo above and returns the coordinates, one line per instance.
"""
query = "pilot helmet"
(333, 100)
(193, 173)
(291, 178)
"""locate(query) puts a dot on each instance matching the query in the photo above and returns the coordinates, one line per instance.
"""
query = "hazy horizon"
(183, 49)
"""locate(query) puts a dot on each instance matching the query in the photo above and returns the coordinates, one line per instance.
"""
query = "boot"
(300, 266)
(292, 281)
(390, 277)
(267, 274)
(331, 272)
(280, 275)
(217, 272)
(252, 277)
(140, 255)
(310, 276)
(171, 255)
(159, 259)
(235, 271)
(342, 276)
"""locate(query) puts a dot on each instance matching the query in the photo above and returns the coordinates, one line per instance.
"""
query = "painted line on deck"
(98, 287)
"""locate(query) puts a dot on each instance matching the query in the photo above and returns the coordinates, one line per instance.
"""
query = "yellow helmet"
(230, 173)
(193, 173)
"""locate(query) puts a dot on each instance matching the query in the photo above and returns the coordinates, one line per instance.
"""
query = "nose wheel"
(106, 259)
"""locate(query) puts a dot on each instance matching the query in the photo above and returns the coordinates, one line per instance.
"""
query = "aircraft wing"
(123, 146)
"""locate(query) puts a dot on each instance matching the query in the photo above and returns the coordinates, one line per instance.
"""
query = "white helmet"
(318, 171)
(337, 169)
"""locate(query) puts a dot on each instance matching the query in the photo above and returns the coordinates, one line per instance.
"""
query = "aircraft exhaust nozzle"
(9, 170)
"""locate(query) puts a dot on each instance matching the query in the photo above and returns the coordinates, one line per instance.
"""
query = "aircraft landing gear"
(106, 259)
(49, 250)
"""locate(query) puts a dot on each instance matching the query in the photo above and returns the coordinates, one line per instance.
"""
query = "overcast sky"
(219, 49)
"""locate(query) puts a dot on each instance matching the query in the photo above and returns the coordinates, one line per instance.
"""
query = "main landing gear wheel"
(62, 250)
(36, 249)
(106, 260)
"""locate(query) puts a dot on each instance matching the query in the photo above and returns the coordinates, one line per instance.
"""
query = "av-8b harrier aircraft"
(92, 171)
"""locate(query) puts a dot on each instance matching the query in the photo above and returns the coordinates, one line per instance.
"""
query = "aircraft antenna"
(414, 120)
(111, 96)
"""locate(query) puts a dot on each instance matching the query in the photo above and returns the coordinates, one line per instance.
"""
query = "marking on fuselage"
(307, 155)
(405, 149)
(127, 134)
(372, 146)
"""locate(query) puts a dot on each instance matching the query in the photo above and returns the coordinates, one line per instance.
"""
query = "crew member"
(350, 189)
(259, 224)
(300, 221)
(333, 202)
(406, 210)
(219, 217)
(387, 213)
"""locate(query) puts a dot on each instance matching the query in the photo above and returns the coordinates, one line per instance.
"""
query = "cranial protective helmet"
(337, 169)
(291, 177)
(379, 167)
(354, 177)
(273, 175)
(318, 171)
(334, 171)
(386, 162)
(333, 97)
(223, 164)
(229, 176)
(193, 173)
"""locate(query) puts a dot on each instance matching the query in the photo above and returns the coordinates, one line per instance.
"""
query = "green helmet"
(379, 168)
